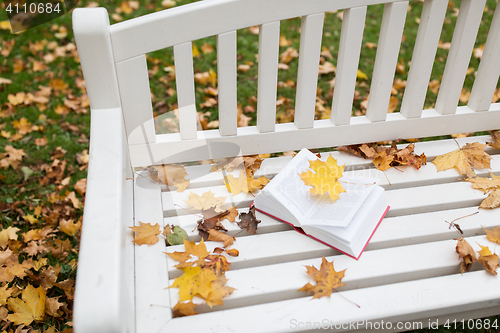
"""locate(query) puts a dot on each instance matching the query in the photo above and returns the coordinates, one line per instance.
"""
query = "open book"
(347, 224)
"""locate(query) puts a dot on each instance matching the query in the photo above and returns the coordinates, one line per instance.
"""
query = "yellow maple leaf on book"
(323, 177)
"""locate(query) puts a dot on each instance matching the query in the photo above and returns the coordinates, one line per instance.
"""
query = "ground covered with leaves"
(45, 129)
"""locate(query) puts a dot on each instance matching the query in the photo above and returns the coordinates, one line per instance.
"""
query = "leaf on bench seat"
(205, 202)
(244, 183)
(493, 235)
(488, 259)
(464, 159)
(170, 175)
(148, 233)
(327, 279)
(466, 253)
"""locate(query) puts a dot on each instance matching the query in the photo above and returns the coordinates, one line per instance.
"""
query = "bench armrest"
(104, 293)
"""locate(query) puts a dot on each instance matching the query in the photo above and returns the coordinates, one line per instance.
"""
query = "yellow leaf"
(148, 233)
(69, 227)
(5, 293)
(244, 183)
(488, 259)
(30, 308)
(196, 52)
(362, 76)
(493, 235)
(30, 218)
(170, 175)
(194, 282)
(323, 177)
(8, 234)
(5, 25)
(205, 202)
(184, 309)
(464, 159)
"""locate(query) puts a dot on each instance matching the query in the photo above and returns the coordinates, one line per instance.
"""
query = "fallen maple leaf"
(326, 278)
(249, 221)
(217, 292)
(495, 135)
(233, 252)
(195, 281)
(493, 235)
(464, 159)
(466, 253)
(488, 259)
(170, 175)
(191, 248)
(205, 202)
(7, 234)
(30, 308)
(148, 233)
(492, 200)
(244, 183)
(217, 236)
(184, 309)
(323, 177)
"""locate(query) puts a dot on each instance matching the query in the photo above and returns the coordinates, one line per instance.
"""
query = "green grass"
(20, 196)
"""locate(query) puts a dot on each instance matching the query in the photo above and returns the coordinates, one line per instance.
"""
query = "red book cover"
(298, 229)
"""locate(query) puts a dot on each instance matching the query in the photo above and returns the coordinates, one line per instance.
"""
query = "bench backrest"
(113, 59)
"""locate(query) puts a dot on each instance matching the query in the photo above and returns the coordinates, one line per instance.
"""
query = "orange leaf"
(148, 233)
(464, 159)
(327, 279)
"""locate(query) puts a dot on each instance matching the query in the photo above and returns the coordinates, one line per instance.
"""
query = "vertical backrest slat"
(269, 35)
(184, 80)
(422, 61)
(389, 42)
(307, 76)
(135, 95)
(351, 36)
(226, 70)
(489, 68)
(459, 55)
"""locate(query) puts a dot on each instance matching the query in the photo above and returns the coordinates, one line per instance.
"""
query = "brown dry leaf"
(488, 259)
(493, 235)
(148, 233)
(393, 104)
(170, 175)
(217, 236)
(495, 135)
(12, 268)
(383, 161)
(184, 309)
(52, 307)
(485, 184)
(217, 292)
(5, 293)
(9, 233)
(434, 86)
(249, 221)
(326, 278)
(205, 202)
(69, 227)
(12, 157)
(464, 159)
(466, 253)
(251, 162)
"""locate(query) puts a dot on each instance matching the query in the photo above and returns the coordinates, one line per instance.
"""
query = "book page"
(341, 211)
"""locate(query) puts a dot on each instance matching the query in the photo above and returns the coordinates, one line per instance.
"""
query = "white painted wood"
(373, 269)
(307, 76)
(489, 69)
(409, 271)
(353, 23)
(389, 42)
(226, 70)
(161, 29)
(324, 134)
(424, 52)
(269, 36)
(91, 28)
(459, 55)
(107, 213)
(151, 277)
(184, 80)
(135, 95)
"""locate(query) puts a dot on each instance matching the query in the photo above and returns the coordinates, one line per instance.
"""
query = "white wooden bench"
(410, 270)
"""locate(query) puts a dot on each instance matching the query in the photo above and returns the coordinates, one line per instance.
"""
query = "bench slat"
(405, 301)
(307, 75)
(152, 300)
(226, 69)
(389, 42)
(458, 60)
(135, 96)
(184, 80)
(489, 69)
(422, 61)
(374, 268)
(269, 35)
(351, 36)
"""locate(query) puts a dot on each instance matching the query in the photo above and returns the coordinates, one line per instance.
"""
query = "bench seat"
(409, 271)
